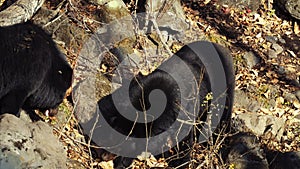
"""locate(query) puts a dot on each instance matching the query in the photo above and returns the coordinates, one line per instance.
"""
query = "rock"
(281, 70)
(272, 54)
(281, 40)
(277, 48)
(245, 152)
(260, 125)
(254, 5)
(29, 145)
(290, 97)
(243, 101)
(290, 6)
(272, 39)
(172, 24)
(251, 59)
(272, 103)
(278, 160)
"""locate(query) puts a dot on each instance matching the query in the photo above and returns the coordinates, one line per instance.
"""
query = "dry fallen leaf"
(107, 165)
(296, 103)
(296, 28)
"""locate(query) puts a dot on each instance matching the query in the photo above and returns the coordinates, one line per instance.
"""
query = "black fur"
(34, 74)
(141, 86)
(153, 81)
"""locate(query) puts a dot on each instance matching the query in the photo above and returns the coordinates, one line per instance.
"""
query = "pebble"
(281, 70)
(251, 59)
(278, 49)
(281, 40)
(271, 39)
(289, 97)
(272, 54)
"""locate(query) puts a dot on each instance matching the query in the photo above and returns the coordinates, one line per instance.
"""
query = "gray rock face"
(272, 39)
(25, 144)
(272, 54)
(251, 59)
(278, 49)
(290, 6)
(290, 97)
(241, 100)
(275, 51)
(260, 124)
(240, 3)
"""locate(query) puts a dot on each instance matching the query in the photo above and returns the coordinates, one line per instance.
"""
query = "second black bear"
(187, 79)
(34, 74)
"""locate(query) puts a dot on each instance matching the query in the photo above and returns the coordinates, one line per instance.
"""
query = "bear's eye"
(60, 72)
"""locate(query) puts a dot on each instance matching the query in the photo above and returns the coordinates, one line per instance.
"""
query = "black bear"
(196, 81)
(34, 74)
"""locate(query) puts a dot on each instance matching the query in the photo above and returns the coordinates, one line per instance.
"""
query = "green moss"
(239, 60)
(217, 39)
(261, 97)
(271, 12)
(63, 108)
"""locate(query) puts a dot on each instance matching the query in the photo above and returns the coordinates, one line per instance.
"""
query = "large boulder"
(25, 144)
(290, 6)
(259, 125)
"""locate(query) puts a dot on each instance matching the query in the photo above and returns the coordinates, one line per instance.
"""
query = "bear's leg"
(13, 101)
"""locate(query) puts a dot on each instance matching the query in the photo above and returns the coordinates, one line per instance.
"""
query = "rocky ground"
(267, 65)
